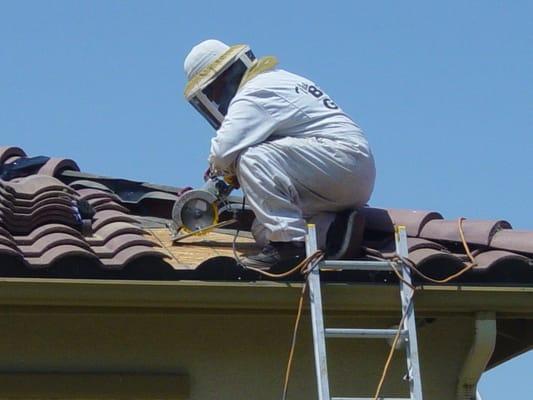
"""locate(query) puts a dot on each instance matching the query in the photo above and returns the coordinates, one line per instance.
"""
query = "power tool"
(197, 211)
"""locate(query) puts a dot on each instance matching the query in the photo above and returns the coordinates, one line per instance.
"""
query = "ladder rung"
(362, 333)
(370, 398)
(356, 265)
(407, 331)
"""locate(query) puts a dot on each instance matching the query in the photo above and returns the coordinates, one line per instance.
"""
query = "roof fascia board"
(508, 302)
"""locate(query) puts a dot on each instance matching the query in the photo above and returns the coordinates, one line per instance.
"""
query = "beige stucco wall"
(225, 355)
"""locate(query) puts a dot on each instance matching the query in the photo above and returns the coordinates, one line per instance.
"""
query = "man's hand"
(232, 180)
(229, 179)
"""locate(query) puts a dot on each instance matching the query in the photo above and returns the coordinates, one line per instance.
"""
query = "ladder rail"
(406, 294)
(317, 318)
(320, 333)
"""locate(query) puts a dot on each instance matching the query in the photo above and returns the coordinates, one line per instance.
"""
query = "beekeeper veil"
(214, 72)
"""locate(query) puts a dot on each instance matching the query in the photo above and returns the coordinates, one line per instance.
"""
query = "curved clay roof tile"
(121, 259)
(383, 220)
(47, 242)
(57, 253)
(478, 232)
(436, 264)
(46, 229)
(33, 185)
(54, 166)
(513, 240)
(7, 153)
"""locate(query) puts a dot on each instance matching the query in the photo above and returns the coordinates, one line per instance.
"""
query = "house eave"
(263, 296)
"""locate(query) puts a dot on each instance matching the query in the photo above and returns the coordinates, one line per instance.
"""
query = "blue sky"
(443, 90)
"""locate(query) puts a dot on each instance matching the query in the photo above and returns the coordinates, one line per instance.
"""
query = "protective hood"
(202, 55)
(214, 80)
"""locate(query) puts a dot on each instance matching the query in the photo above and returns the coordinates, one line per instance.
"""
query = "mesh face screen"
(223, 89)
(250, 55)
(202, 109)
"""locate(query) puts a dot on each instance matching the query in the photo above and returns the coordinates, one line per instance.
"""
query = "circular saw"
(196, 211)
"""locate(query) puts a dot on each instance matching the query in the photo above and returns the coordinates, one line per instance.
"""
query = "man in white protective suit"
(297, 156)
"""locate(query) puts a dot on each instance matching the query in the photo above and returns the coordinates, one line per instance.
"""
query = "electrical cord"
(307, 266)
(304, 268)
(412, 265)
(300, 267)
(400, 277)
(389, 357)
(313, 260)
(468, 266)
(463, 240)
(293, 342)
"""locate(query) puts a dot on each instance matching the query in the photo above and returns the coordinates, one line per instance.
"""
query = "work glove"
(232, 180)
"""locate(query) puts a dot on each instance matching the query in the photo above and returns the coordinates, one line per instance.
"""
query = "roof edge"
(508, 302)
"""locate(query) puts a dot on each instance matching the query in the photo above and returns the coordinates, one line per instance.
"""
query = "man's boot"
(277, 255)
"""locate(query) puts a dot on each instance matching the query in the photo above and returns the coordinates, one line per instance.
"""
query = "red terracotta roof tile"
(56, 165)
(92, 194)
(10, 251)
(521, 241)
(47, 242)
(7, 153)
(476, 232)
(105, 202)
(57, 253)
(9, 199)
(438, 264)
(418, 243)
(62, 217)
(8, 242)
(119, 243)
(494, 259)
(104, 217)
(30, 187)
(44, 230)
(383, 220)
(109, 231)
(130, 254)
(82, 184)
(41, 222)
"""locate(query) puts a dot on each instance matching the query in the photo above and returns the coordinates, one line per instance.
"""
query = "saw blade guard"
(195, 210)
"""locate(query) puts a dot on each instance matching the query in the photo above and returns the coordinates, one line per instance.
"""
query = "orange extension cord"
(310, 262)
(412, 266)
(396, 258)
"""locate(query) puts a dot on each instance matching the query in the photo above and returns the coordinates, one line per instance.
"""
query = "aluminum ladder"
(320, 333)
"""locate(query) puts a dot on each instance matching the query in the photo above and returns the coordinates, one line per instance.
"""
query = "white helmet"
(214, 71)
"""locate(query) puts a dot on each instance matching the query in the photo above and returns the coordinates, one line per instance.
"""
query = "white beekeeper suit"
(296, 154)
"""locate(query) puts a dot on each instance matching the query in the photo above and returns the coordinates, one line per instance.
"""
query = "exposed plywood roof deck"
(192, 251)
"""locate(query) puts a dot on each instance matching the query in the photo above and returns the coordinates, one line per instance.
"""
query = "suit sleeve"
(247, 123)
